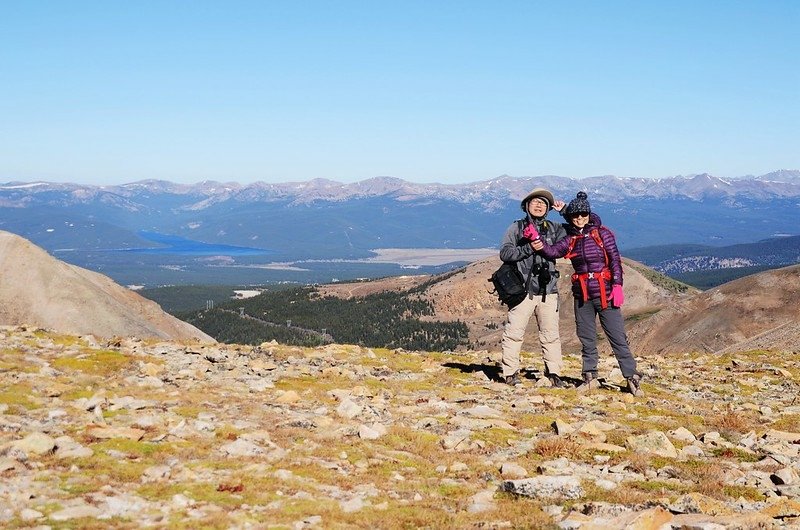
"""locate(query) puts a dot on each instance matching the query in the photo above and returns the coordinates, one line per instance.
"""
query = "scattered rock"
(654, 442)
(512, 471)
(108, 433)
(348, 409)
(36, 443)
(545, 487)
(76, 512)
(242, 447)
(177, 417)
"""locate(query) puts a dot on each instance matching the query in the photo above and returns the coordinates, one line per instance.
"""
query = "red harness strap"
(601, 276)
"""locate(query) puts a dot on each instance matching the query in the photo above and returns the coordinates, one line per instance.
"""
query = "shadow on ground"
(494, 372)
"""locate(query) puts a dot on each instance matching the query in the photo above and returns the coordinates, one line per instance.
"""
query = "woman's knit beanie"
(580, 204)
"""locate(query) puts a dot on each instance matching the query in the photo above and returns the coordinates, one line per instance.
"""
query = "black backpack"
(511, 289)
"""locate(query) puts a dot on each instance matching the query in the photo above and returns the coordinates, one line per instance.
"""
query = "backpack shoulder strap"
(571, 248)
(595, 233)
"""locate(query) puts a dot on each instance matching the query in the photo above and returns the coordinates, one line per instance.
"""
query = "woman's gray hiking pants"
(614, 327)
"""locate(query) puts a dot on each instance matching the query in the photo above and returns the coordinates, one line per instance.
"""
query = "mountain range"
(320, 230)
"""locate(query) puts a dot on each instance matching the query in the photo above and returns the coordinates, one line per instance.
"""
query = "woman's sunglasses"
(579, 214)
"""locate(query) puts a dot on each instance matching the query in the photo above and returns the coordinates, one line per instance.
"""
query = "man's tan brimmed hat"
(539, 193)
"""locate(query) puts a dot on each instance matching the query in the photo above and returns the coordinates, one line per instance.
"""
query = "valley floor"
(131, 434)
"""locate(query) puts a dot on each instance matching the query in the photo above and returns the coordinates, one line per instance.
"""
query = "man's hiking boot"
(589, 383)
(556, 381)
(513, 379)
(635, 385)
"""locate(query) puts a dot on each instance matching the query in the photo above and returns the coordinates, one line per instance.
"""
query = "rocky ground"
(129, 433)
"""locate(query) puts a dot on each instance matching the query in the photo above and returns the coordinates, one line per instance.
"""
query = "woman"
(597, 288)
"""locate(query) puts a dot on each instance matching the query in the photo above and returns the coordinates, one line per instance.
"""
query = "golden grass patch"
(96, 362)
(708, 478)
(660, 487)
(496, 436)
(134, 448)
(734, 453)
(90, 523)
(318, 387)
(227, 432)
(749, 493)
(77, 393)
(787, 422)
(423, 444)
(66, 340)
(213, 521)
(18, 395)
(108, 470)
(189, 411)
(535, 421)
(13, 360)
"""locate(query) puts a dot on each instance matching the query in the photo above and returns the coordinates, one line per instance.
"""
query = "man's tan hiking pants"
(546, 314)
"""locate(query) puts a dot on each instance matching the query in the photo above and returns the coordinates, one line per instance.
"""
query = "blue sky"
(427, 91)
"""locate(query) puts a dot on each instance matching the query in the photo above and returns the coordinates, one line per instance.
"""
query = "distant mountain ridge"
(316, 230)
(781, 183)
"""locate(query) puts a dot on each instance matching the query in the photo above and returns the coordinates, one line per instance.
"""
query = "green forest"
(300, 316)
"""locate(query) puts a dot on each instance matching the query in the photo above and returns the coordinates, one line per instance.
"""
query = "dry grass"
(556, 447)
(19, 395)
(638, 462)
(737, 454)
(787, 422)
(733, 421)
(95, 362)
(707, 477)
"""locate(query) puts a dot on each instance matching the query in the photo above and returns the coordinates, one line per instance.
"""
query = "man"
(542, 278)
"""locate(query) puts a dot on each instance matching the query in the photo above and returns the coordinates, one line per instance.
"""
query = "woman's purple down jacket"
(587, 256)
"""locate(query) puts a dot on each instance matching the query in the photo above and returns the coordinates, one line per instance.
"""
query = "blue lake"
(187, 247)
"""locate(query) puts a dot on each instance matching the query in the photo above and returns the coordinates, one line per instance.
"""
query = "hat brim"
(542, 194)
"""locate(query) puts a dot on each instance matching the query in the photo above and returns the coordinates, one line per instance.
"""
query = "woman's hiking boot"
(589, 383)
(513, 379)
(635, 385)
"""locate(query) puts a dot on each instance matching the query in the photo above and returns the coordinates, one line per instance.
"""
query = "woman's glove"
(617, 296)
(530, 232)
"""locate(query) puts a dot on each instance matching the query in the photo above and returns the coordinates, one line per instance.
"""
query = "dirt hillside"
(754, 312)
(39, 290)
